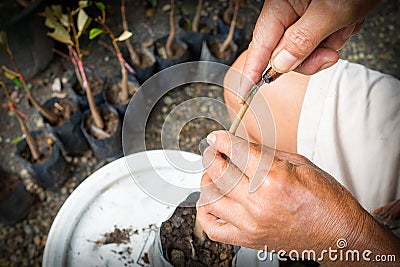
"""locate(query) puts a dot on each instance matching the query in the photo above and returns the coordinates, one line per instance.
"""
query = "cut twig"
(229, 38)
(132, 53)
(196, 19)
(198, 230)
(172, 31)
(51, 117)
(124, 80)
(29, 138)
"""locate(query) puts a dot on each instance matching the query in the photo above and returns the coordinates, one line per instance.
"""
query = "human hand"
(296, 206)
(301, 35)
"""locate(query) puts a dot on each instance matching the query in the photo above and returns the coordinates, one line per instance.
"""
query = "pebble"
(75, 160)
(84, 160)
(168, 100)
(64, 80)
(106, 58)
(24, 173)
(56, 86)
(28, 229)
(37, 240)
(39, 123)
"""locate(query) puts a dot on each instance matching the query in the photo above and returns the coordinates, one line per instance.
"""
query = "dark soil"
(225, 55)
(203, 26)
(114, 93)
(8, 182)
(182, 248)
(146, 60)
(95, 83)
(110, 124)
(45, 146)
(63, 109)
(177, 51)
(240, 22)
(118, 236)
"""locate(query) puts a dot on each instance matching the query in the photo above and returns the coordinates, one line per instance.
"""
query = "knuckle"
(301, 42)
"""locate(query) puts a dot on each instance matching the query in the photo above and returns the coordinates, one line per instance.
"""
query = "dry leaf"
(125, 35)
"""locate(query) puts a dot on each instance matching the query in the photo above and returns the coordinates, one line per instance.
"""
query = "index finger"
(267, 33)
(254, 161)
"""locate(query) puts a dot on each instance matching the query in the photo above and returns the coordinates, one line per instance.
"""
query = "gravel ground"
(376, 46)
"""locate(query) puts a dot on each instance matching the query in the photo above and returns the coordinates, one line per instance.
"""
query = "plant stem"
(132, 53)
(98, 120)
(198, 230)
(124, 73)
(227, 11)
(51, 117)
(196, 19)
(229, 38)
(29, 138)
(172, 31)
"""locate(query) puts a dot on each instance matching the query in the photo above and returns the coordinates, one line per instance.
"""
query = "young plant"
(101, 20)
(132, 53)
(68, 31)
(229, 38)
(29, 138)
(172, 31)
(17, 77)
(196, 19)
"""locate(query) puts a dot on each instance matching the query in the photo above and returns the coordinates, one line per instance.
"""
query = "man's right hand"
(301, 35)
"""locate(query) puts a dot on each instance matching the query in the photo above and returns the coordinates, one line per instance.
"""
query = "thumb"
(301, 39)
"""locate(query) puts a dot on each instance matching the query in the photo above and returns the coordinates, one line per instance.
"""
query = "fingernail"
(327, 65)
(284, 61)
(211, 138)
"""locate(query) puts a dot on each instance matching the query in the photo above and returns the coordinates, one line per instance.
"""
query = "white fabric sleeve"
(350, 127)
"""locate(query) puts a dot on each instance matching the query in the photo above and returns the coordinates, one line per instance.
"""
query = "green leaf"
(94, 33)
(17, 140)
(101, 6)
(17, 81)
(61, 34)
(125, 35)
(10, 74)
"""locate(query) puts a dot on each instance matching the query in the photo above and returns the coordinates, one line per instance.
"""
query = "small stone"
(164, 109)
(24, 173)
(64, 80)
(75, 160)
(168, 100)
(84, 160)
(37, 240)
(203, 109)
(28, 229)
(64, 191)
(106, 58)
(8, 140)
(166, 8)
(56, 86)
(39, 123)
(223, 256)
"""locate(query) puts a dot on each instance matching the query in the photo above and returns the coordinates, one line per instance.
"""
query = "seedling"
(229, 38)
(94, 32)
(172, 31)
(67, 30)
(135, 59)
(196, 19)
(29, 138)
(17, 77)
